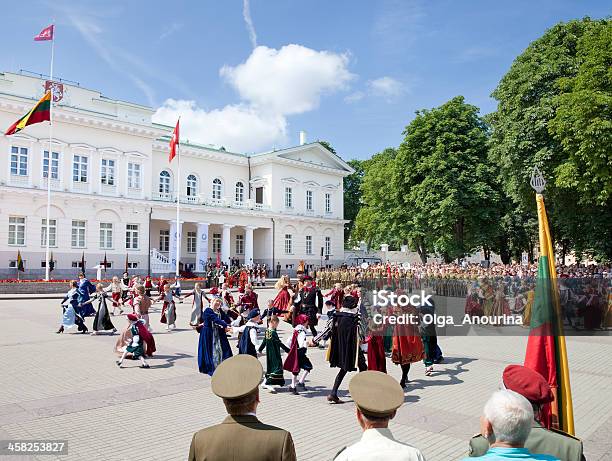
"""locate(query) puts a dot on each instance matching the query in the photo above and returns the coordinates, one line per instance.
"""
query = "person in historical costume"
(488, 297)
(428, 336)
(142, 304)
(85, 289)
(296, 303)
(116, 289)
(274, 363)
(297, 359)
(344, 349)
(282, 300)
(473, 306)
(198, 304)
(148, 285)
(71, 315)
(102, 321)
(125, 338)
(377, 360)
(312, 303)
(213, 345)
(407, 344)
(168, 315)
(336, 295)
(248, 300)
(262, 275)
(248, 342)
(500, 303)
(528, 307)
(136, 344)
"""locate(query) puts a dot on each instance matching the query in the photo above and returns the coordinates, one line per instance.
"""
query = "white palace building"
(114, 192)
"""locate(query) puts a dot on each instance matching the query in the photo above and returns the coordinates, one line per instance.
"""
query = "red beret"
(132, 317)
(527, 382)
(301, 319)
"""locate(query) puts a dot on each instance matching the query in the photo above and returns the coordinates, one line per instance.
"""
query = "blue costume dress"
(213, 346)
(85, 289)
(70, 313)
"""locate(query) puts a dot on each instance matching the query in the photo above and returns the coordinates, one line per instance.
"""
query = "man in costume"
(248, 300)
(534, 387)
(257, 441)
(312, 303)
(85, 289)
(377, 397)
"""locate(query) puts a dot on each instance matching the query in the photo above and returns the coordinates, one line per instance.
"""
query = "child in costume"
(168, 315)
(102, 319)
(248, 342)
(136, 347)
(142, 304)
(274, 363)
(116, 289)
(296, 357)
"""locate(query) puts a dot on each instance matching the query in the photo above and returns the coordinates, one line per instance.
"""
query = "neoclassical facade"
(114, 192)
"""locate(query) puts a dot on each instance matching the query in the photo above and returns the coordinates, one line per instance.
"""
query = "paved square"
(68, 387)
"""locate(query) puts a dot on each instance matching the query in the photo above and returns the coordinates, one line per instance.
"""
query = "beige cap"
(376, 393)
(237, 377)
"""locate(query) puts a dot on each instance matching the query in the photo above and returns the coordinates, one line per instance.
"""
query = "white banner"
(173, 245)
(202, 247)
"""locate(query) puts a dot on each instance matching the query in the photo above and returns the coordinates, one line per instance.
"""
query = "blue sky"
(250, 74)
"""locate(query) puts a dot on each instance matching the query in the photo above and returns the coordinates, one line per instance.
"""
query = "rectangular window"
(79, 168)
(240, 244)
(191, 242)
(131, 236)
(106, 235)
(133, 175)
(132, 265)
(328, 246)
(16, 235)
(78, 264)
(309, 244)
(259, 195)
(288, 244)
(164, 241)
(52, 233)
(109, 264)
(216, 243)
(327, 203)
(107, 172)
(288, 197)
(308, 200)
(78, 234)
(54, 164)
(19, 161)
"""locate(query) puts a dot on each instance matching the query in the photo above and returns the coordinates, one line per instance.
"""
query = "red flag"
(218, 260)
(45, 34)
(174, 141)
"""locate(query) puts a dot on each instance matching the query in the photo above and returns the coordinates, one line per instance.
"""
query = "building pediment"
(316, 155)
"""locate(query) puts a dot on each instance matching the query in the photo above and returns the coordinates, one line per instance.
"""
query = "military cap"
(237, 377)
(527, 382)
(375, 393)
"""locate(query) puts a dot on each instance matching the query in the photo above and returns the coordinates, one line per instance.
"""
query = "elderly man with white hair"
(506, 423)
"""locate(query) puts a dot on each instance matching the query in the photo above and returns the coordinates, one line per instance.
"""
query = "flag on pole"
(83, 262)
(45, 34)
(126, 262)
(51, 263)
(41, 112)
(174, 141)
(105, 263)
(218, 259)
(546, 350)
(20, 266)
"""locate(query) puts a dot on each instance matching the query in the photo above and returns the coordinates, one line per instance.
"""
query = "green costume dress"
(274, 363)
(136, 348)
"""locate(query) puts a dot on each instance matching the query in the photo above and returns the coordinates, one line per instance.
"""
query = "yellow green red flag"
(39, 113)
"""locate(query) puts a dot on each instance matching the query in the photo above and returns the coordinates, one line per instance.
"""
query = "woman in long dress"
(102, 321)
(70, 313)
(283, 298)
(125, 338)
(407, 345)
(213, 346)
(198, 304)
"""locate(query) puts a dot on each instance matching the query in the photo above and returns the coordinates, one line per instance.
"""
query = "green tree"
(553, 111)
(446, 197)
(352, 197)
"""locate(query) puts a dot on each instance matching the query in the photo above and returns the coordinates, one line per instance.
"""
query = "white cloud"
(238, 127)
(246, 14)
(354, 97)
(169, 30)
(386, 87)
(290, 80)
(272, 85)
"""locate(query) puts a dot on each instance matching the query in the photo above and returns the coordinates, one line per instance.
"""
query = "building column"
(225, 243)
(175, 235)
(201, 247)
(248, 245)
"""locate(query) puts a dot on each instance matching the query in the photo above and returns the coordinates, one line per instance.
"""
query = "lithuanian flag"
(39, 113)
(20, 266)
(546, 351)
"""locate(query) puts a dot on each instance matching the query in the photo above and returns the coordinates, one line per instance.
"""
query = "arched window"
(164, 182)
(192, 185)
(217, 189)
(239, 192)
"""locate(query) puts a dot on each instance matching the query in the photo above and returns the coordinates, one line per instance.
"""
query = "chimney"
(302, 138)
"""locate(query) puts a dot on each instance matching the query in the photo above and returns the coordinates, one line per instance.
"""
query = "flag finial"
(538, 183)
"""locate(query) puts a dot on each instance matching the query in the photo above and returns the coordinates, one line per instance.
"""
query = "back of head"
(510, 415)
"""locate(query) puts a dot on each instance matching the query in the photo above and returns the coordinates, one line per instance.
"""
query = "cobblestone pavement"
(68, 387)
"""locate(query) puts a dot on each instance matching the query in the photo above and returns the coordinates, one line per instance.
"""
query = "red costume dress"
(283, 299)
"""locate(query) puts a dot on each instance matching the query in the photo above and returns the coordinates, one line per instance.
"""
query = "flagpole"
(49, 165)
(178, 201)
